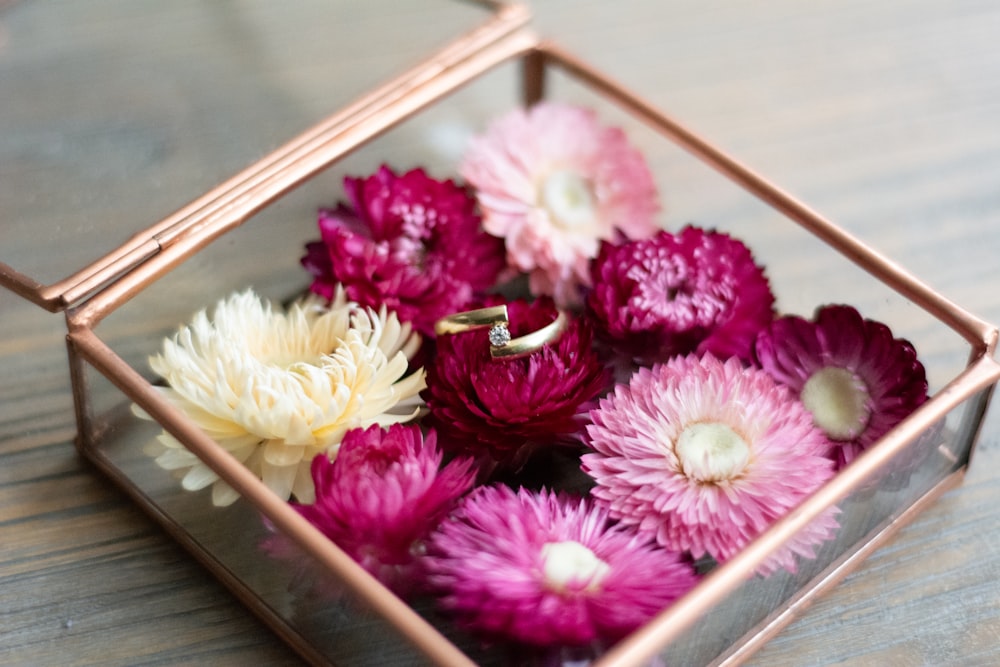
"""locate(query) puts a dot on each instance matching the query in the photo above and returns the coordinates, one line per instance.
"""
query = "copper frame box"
(874, 504)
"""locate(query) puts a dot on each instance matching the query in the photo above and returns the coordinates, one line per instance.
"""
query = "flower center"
(569, 562)
(711, 452)
(838, 401)
(567, 197)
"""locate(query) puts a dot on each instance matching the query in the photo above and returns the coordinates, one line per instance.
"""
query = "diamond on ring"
(499, 334)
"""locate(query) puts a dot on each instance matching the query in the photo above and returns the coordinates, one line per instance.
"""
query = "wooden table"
(884, 116)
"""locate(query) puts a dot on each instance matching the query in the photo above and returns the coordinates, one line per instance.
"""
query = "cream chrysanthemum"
(275, 389)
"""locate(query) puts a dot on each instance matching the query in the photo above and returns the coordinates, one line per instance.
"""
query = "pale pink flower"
(706, 455)
(549, 569)
(554, 183)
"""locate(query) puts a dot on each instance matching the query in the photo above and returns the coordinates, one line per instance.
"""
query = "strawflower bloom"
(549, 569)
(381, 497)
(673, 294)
(275, 389)
(408, 242)
(851, 374)
(499, 408)
(706, 455)
(554, 183)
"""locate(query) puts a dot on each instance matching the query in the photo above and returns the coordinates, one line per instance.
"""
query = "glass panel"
(264, 253)
(116, 113)
(292, 585)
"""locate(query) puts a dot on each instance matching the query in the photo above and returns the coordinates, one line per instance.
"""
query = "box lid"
(104, 112)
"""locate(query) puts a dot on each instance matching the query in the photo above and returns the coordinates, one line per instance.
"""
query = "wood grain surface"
(884, 116)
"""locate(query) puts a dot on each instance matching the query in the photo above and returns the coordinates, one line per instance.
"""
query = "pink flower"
(498, 407)
(694, 291)
(706, 455)
(408, 242)
(851, 374)
(381, 497)
(554, 183)
(548, 569)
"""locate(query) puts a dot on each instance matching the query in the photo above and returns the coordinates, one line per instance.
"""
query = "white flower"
(275, 389)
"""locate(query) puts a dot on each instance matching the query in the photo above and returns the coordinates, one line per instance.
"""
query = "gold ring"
(502, 346)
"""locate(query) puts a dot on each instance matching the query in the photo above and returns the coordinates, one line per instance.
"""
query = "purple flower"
(495, 407)
(409, 242)
(673, 294)
(381, 497)
(851, 374)
(548, 569)
(706, 455)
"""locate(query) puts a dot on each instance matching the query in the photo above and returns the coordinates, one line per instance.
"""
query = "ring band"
(471, 319)
(502, 346)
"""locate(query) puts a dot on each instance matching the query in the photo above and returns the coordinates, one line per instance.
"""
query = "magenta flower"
(408, 242)
(499, 407)
(548, 569)
(555, 183)
(694, 291)
(382, 496)
(851, 374)
(706, 455)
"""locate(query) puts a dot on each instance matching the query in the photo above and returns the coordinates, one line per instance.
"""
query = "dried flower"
(548, 569)
(555, 183)
(851, 374)
(408, 242)
(694, 291)
(707, 454)
(496, 407)
(381, 497)
(275, 389)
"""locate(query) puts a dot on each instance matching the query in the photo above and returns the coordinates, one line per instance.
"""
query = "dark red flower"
(496, 407)
(409, 242)
(673, 294)
(850, 373)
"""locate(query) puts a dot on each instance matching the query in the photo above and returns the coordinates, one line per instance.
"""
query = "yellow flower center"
(569, 562)
(711, 452)
(838, 401)
(568, 198)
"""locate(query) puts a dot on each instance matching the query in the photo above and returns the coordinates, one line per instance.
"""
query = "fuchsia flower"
(408, 242)
(382, 496)
(548, 569)
(555, 183)
(851, 374)
(705, 455)
(497, 407)
(694, 291)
